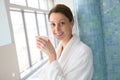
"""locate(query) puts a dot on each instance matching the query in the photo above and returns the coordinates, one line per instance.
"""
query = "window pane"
(20, 40)
(32, 32)
(42, 27)
(33, 3)
(50, 4)
(43, 4)
(42, 24)
(19, 2)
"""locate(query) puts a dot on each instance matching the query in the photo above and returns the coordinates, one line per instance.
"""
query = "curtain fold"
(99, 26)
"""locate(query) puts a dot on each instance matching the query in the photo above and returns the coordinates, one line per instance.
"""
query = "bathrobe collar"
(67, 51)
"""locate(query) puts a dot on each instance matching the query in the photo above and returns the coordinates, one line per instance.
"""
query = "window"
(18, 2)
(42, 24)
(33, 3)
(29, 19)
(43, 4)
(31, 30)
(20, 40)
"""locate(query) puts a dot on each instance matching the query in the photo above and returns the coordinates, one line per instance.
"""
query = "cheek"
(52, 30)
(68, 29)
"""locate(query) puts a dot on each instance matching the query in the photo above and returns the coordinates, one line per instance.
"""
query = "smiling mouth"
(59, 34)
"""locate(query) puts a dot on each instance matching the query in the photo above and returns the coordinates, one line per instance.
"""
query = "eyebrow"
(59, 20)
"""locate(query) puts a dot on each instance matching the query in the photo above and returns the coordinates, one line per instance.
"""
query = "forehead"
(56, 17)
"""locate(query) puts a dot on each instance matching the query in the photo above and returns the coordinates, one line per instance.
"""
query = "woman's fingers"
(41, 41)
(46, 46)
(42, 44)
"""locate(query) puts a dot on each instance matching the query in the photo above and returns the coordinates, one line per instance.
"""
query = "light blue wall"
(99, 27)
(5, 37)
(111, 27)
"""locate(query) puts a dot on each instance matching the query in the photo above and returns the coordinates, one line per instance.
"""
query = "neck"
(64, 42)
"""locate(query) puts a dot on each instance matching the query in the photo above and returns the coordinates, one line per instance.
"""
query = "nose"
(57, 27)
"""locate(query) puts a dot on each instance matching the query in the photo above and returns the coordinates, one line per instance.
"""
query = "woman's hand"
(46, 47)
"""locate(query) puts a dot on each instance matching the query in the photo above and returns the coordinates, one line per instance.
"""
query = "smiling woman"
(73, 59)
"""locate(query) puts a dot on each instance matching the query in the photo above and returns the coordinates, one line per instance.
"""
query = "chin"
(59, 39)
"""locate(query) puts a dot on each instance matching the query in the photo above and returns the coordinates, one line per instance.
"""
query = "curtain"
(98, 22)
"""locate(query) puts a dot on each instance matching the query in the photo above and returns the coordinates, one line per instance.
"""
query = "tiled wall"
(99, 27)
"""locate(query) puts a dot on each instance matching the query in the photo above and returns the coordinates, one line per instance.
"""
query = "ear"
(72, 23)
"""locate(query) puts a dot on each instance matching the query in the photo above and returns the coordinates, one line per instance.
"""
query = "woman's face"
(60, 26)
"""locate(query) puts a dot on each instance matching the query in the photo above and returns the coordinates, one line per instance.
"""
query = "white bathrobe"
(75, 63)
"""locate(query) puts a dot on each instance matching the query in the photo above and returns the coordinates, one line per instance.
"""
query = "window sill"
(32, 70)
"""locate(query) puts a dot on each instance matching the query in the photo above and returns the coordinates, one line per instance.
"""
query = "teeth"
(59, 34)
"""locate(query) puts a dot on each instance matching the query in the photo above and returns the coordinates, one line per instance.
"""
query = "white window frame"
(22, 9)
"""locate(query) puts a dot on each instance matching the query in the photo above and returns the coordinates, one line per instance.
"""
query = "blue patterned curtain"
(99, 27)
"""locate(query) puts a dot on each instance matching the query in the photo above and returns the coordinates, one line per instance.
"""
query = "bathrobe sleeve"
(78, 67)
(54, 71)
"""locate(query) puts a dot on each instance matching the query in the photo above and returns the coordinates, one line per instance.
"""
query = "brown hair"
(61, 8)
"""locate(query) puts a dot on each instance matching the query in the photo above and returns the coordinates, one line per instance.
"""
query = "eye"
(52, 24)
(61, 23)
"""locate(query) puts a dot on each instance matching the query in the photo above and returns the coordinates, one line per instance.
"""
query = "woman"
(73, 59)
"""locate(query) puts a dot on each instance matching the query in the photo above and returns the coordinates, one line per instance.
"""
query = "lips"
(59, 35)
